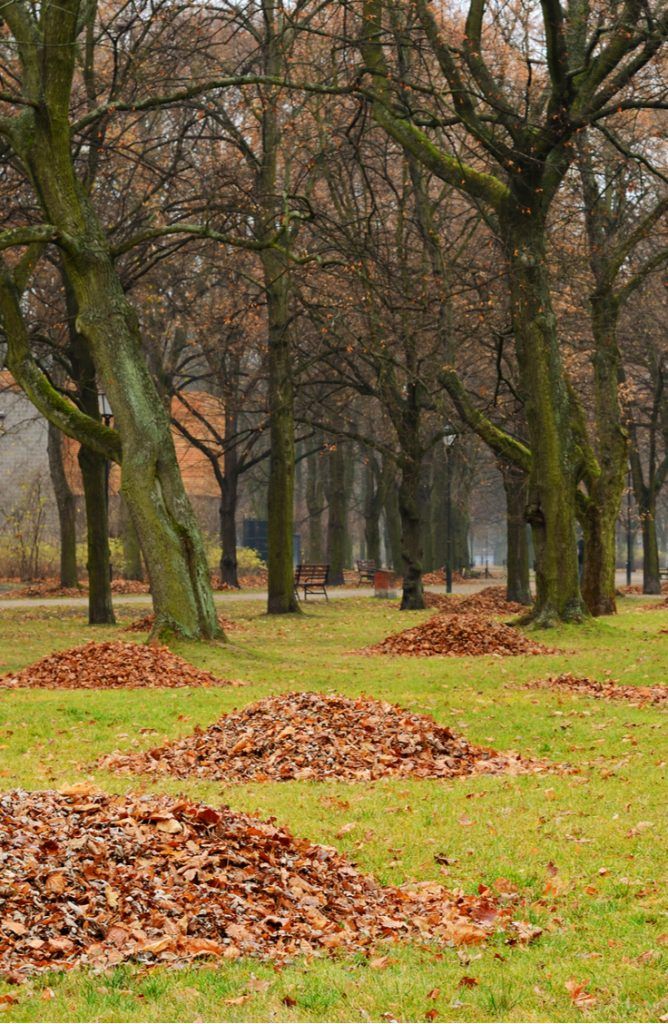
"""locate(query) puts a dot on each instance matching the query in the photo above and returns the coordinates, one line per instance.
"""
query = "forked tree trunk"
(66, 506)
(336, 520)
(515, 486)
(94, 471)
(151, 481)
(551, 486)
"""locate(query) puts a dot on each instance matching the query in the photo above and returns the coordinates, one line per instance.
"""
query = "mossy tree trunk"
(66, 506)
(554, 464)
(133, 568)
(151, 481)
(517, 559)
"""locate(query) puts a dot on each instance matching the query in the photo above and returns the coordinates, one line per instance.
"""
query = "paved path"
(228, 596)
(224, 597)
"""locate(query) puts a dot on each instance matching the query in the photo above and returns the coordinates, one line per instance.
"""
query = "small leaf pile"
(319, 736)
(607, 690)
(458, 635)
(490, 601)
(145, 624)
(111, 665)
(91, 879)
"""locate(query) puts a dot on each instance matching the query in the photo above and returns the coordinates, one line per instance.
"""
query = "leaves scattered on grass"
(92, 879)
(609, 689)
(52, 588)
(145, 625)
(111, 665)
(320, 736)
(459, 635)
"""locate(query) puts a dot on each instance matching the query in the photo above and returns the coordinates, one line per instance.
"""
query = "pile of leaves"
(656, 606)
(111, 665)
(319, 736)
(609, 689)
(459, 635)
(146, 623)
(490, 601)
(91, 879)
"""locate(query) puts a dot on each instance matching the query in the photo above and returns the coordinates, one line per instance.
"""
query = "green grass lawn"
(604, 911)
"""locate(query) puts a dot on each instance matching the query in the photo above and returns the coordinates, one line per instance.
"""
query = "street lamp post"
(449, 437)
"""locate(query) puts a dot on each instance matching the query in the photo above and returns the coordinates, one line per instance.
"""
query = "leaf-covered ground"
(591, 846)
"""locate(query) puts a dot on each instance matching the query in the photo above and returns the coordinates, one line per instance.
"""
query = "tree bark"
(133, 568)
(315, 505)
(515, 485)
(65, 503)
(411, 534)
(374, 499)
(551, 485)
(94, 470)
(651, 580)
(228, 530)
(392, 521)
(336, 520)
(280, 499)
(151, 481)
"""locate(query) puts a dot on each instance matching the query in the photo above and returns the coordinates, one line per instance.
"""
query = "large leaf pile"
(609, 689)
(319, 736)
(87, 878)
(459, 635)
(112, 665)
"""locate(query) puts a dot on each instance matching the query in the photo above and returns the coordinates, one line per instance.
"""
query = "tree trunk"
(151, 481)
(66, 506)
(280, 500)
(551, 486)
(651, 580)
(94, 471)
(374, 499)
(392, 521)
(605, 485)
(228, 530)
(336, 520)
(314, 504)
(515, 486)
(411, 533)
(133, 568)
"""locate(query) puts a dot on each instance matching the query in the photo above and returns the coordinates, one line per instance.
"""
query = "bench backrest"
(306, 573)
(366, 564)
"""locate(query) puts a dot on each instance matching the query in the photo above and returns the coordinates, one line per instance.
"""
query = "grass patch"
(604, 910)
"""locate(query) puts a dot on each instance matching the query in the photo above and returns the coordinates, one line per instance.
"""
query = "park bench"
(663, 574)
(366, 569)
(311, 579)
